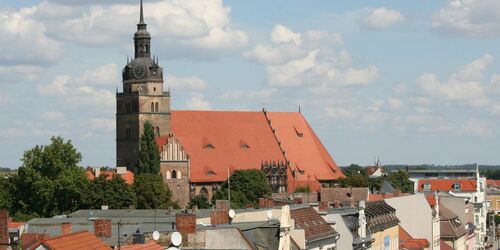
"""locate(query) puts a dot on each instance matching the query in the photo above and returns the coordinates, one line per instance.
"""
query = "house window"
(174, 174)
(179, 175)
(457, 187)
(167, 175)
(427, 186)
(152, 107)
(156, 107)
(154, 89)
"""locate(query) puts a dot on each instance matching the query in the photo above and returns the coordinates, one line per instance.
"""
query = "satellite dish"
(269, 214)
(176, 239)
(231, 214)
(156, 235)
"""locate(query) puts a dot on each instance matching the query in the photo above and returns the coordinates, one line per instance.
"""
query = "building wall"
(458, 244)
(494, 200)
(132, 111)
(393, 236)
(346, 238)
(179, 186)
(418, 225)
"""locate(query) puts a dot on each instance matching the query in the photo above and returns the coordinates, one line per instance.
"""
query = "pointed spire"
(141, 19)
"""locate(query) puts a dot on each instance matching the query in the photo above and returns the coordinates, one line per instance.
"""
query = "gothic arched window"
(204, 192)
(152, 107)
(167, 175)
(156, 107)
(174, 174)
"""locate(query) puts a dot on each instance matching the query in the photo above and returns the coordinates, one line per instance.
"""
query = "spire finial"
(141, 20)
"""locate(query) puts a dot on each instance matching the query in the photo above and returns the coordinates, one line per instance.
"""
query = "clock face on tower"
(138, 72)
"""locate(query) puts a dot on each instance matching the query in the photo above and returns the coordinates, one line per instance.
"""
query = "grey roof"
(387, 188)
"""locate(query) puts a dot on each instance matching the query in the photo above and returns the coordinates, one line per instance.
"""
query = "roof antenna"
(299, 108)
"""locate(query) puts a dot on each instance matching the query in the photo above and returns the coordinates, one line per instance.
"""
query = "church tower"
(142, 99)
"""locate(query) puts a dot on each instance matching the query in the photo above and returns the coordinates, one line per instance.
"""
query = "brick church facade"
(200, 149)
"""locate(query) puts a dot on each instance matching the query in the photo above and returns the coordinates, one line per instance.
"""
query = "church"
(200, 149)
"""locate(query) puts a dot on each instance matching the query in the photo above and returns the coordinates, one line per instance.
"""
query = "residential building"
(418, 225)
(453, 232)
(433, 202)
(474, 190)
(382, 224)
(200, 149)
(493, 199)
(122, 172)
(343, 197)
(439, 173)
(318, 234)
(350, 223)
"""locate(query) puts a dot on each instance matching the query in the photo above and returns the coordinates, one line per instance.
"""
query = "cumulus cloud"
(474, 126)
(261, 95)
(79, 90)
(381, 18)
(24, 40)
(191, 82)
(310, 58)
(198, 102)
(203, 26)
(469, 18)
(462, 86)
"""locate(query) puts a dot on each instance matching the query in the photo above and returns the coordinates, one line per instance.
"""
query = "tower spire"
(141, 19)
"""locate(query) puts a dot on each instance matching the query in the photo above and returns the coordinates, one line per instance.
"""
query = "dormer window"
(244, 146)
(457, 187)
(427, 186)
(209, 146)
(298, 132)
(210, 173)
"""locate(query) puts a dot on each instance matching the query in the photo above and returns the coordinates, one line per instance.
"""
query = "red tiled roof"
(493, 183)
(303, 148)
(444, 246)
(431, 199)
(150, 245)
(128, 177)
(14, 225)
(410, 243)
(445, 185)
(213, 140)
(74, 241)
(379, 197)
(315, 227)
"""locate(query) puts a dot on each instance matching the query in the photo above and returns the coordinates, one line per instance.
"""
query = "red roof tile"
(74, 241)
(379, 197)
(446, 185)
(410, 243)
(315, 227)
(150, 245)
(14, 225)
(214, 139)
(303, 148)
(431, 199)
(128, 177)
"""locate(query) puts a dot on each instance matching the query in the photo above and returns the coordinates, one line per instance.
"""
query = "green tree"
(149, 157)
(114, 193)
(6, 190)
(401, 181)
(151, 192)
(199, 201)
(49, 182)
(354, 169)
(354, 180)
(247, 186)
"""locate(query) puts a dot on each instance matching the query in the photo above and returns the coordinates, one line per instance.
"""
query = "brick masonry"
(4, 229)
(185, 223)
(102, 228)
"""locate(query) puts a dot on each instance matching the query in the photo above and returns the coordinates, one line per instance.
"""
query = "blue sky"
(407, 81)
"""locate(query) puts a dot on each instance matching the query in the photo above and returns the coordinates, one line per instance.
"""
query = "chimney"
(222, 205)
(28, 239)
(362, 220)
(185, 223)
(219, 217)
(102, 228)
(4, 229)
(66, 228)
(323, 206)
(138, 237)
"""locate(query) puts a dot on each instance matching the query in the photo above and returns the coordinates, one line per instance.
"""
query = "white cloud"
(198, 102)
(192, 82)
(294, 59)
(469, 18)
(477, 127)
(463, 86)
(102, 124)
(79, 90)
(186, 25)
(261, 95)
(282, 34)
(381, 18)
(24, 40)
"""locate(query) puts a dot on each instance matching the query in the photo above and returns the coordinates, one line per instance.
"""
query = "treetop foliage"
(247, 186)
(149, 157)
